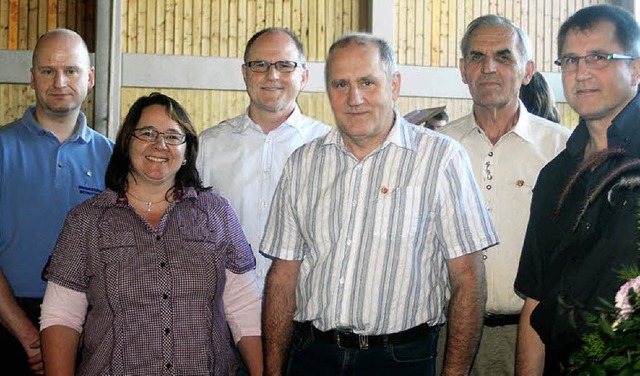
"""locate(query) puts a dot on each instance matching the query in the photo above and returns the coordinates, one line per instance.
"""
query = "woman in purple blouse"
(140, 272)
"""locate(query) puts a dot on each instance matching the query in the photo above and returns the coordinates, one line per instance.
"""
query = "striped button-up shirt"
(374, 235)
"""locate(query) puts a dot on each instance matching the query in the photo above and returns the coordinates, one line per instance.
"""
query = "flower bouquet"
(612, 346)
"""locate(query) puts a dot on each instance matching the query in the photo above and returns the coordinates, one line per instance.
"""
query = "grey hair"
(524, 45)
(387, 55)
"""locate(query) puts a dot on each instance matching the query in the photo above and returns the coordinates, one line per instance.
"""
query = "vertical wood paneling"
(418, 39)
(71, 13)
(161, 27)
(52, 15)
(178, 27)
(451, 42)
(215, 28)
(169, 23)
(197, 29)
(188, 35)
(32, 25)
(402, 38)
(224, 28)
(42, 13)
(152, 25)
(206, 28)
(261, 20)
(132, 10)
(232, 28)
(4, 24)
(321, 46)
(62, 14)
(435, 34)
(143, 28)
(241, 35)
(23, 25)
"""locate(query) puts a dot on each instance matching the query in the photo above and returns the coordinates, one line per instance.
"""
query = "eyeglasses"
(262, 66)
(594, 61)
(151, 135)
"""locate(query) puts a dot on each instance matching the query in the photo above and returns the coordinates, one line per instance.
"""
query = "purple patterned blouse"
(155, 294)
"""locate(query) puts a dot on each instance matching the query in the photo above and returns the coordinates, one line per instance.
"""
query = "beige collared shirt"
(506, 173)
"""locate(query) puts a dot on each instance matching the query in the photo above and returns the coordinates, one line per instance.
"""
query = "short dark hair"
(627, 31)
(524, 45)
(387, 56)
(296, 41)
(120, 162)
(537, 98)
(442, 115)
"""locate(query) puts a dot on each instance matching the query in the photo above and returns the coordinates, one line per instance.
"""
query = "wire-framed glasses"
(151, 135)
(262, 66)
(594, 61)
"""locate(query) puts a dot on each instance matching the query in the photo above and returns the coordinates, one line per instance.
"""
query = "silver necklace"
(149, 203)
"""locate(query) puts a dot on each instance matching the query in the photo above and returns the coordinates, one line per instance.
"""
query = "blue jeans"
(310, 356)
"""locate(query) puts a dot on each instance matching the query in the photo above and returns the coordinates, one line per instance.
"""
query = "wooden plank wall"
(427, 33)
(435, 41)
(21, 23)
(222, 28)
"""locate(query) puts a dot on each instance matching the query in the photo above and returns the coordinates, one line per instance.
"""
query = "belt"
(500, 320)
(349, 340)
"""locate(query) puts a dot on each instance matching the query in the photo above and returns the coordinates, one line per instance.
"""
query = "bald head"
(66, 37)
(61, 76)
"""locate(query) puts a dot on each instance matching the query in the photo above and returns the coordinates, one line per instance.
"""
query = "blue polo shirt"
(41, 179)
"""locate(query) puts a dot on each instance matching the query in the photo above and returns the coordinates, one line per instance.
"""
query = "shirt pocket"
(117, 246)
(205, 249)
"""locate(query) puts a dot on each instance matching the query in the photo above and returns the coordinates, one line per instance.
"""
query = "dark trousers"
(12, 356)
(311, 356)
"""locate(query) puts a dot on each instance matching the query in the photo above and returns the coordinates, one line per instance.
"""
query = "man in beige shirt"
(508, 147)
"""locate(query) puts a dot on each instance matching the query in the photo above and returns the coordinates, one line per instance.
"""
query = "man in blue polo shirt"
(50, 161)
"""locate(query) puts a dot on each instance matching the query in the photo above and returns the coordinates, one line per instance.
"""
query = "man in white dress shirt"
(242, 158)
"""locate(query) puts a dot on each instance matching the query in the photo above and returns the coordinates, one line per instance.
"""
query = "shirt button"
(488, 186)
(167, 331)
(165, 296)
(341, 281)
(163, 264)
(60, 165)
(587, 226)
(484, 257)
(158, 238)
(491, 154)
(348, 241)
(168, 366)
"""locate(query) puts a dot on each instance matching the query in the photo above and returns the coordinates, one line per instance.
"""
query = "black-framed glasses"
(151, 135)
(594, 61)
(262, 66)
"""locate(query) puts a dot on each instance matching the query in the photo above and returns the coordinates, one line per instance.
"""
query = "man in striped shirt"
(368, 227)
